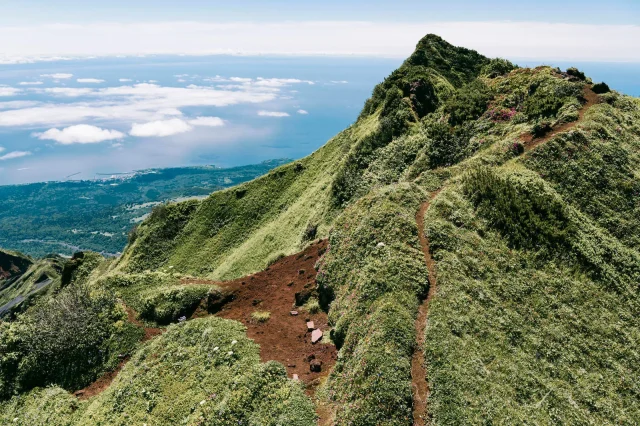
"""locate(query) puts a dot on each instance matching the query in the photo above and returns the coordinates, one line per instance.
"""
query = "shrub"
(447, 146)
(497, 67)
(310, 232)
(575, 72)
(469, 102)
(541, 128)
(166, 305)
(601, 88)
(260, 316)
(67, 340)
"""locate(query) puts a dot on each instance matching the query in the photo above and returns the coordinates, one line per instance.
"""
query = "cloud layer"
(81, 133)
(138, 103)
(520, 40)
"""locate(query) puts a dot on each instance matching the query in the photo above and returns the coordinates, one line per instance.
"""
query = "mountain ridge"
(517, 187)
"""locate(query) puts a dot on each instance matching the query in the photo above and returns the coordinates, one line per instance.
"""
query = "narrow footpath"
(418, 371)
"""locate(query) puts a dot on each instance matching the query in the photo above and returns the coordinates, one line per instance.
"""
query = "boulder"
(316, 336)
(294, 313)
(310, 326)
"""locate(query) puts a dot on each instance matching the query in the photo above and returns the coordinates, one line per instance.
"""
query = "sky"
(92, 87)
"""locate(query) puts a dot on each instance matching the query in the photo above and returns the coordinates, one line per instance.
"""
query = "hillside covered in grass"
(481, 267)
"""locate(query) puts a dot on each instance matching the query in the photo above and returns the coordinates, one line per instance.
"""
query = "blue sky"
(571, 11)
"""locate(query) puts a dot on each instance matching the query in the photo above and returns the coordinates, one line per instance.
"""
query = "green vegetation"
(535, 317)
(261, 316)
(71, 216)
(67, 340)
(374, 274)
(200, 372)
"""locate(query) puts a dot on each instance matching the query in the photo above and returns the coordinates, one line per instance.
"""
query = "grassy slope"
(237, 231)
(545, 332)
(202, 372)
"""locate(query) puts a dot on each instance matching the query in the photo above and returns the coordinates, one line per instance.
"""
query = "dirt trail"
(418, 371)
(419, 381)
(283, 337)
(529, 141)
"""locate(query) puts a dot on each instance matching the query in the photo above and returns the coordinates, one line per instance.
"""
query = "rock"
(315, 366)
(380, 245)
(316, 336)
(310, 326)
(294, 313)
(295, 377)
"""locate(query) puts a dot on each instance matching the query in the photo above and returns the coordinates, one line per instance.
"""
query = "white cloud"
(207, 121)
(1, 149)
(18, 104)
(58, 76)
(272, 114)
(520, 40)
(160, 128)
(89, 80)
(303, 112)
(279, 82)
(66, 91)
(9, 91)
(181, 80)
(81, 133)
(30, 83)
(138, 103)
(14, 154)
(124, 80)
(339, 81)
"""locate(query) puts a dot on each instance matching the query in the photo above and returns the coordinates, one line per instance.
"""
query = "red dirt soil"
(283, 337)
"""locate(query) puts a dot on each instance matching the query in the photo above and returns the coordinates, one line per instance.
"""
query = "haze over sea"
(112, 115)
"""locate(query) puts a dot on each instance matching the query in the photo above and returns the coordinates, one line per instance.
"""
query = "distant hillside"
(97, 215)
(466, 253)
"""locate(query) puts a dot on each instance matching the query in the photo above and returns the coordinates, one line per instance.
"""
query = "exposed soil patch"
(283, 337)
(101, 384)
(149, 332)
(530, 141)
(418, 371)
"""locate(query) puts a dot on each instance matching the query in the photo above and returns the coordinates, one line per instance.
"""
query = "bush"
(166, 305)
(447, 146)
(601, 88)
(67, 340)
(469, 102)
(498, 67)
(575, 72)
